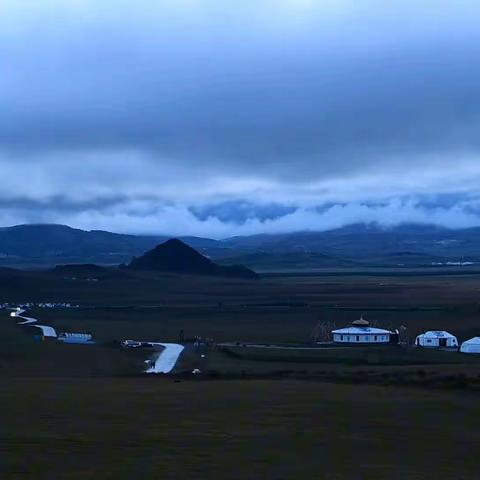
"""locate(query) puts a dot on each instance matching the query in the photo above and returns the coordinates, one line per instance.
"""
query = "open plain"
(88, 411)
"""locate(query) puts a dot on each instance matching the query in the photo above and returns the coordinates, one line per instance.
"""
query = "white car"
(131, 344)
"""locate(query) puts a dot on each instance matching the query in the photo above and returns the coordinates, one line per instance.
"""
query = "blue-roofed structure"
(360, 332)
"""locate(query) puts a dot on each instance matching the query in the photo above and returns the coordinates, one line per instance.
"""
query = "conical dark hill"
(175, 256)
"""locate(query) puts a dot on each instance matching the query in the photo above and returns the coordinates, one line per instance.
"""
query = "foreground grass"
(156, 428)
(357, 355)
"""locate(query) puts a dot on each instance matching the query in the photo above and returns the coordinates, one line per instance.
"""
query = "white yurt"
(471, 346)
(436, 339)
(360, 332)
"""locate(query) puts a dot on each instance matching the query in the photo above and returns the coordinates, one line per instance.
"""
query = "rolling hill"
(174, 256)
(55, 244)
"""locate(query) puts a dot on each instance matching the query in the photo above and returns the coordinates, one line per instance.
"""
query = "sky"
(220, 117)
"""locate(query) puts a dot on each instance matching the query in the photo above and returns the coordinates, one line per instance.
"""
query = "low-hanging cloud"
(149, 217)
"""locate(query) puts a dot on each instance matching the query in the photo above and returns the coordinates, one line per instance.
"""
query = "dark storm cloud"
(240, 211)
(61, 203)
(223, 109)
(208, 93)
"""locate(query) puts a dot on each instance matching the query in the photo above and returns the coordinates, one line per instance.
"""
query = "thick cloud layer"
(214, 117)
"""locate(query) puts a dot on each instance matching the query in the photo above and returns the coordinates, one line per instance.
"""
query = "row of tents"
(443, 339)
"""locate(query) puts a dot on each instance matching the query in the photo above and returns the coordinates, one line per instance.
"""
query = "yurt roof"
(472, 341)
(361, 322)
(437, 334)
(361, 331)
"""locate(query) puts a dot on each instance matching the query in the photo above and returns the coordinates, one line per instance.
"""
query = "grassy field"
(146, 428)
(270, 310)
(376, 355)
(280, 309)
(77, 411)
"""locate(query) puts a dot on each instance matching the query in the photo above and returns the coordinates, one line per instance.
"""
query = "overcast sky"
(218, 117)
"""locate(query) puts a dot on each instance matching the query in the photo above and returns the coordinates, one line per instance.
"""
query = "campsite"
(280, 311)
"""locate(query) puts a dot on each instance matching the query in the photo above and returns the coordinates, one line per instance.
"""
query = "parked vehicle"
(131, 344)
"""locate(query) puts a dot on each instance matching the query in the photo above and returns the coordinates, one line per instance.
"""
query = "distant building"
(436, 339)
(67, 337)
(360, 332)
(471, 346)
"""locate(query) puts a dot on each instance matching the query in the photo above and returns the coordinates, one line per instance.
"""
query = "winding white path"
(46, 329)
(164, 363)
(28, 320)
(167, 359)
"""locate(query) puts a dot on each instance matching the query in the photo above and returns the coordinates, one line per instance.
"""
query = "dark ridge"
(79, 268)
(86, 270)
(72, 245)
(176, 256)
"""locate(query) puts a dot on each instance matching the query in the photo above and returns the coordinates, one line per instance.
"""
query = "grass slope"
(123, 429)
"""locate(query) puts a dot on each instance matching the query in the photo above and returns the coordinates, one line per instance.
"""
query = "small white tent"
(471, 346)
(436, 339)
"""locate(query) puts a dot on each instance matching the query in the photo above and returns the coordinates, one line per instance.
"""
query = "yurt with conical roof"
(471, 346)
(361, 333)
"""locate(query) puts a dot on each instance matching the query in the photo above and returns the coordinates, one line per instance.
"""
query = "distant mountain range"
(353, 246)
(54, 244)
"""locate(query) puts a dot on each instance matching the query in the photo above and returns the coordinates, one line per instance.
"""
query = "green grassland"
(150, 428)
(270, 310)
(355, 355)
(87, 411)
(279, 309)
